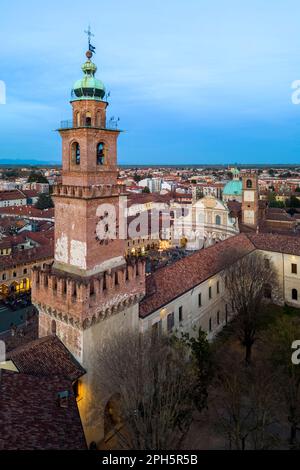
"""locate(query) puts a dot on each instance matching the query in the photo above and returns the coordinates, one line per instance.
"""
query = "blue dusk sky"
(193, 81)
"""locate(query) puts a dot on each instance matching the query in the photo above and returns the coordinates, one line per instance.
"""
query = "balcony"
(111, 125)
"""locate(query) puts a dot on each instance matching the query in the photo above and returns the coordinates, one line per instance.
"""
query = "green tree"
(146, 190)
(44, 202)
(37, 177)
(136, 177)
(293, 202)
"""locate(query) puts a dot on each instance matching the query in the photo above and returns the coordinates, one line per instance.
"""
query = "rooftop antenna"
(89, 34)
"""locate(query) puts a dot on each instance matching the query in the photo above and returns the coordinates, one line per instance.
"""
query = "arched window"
(75, 153)
(249, 184)
(294, 294)
(218, 220)
(88, 119)
(100, 153)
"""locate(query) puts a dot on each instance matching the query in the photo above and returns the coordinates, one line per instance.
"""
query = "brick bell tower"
(250, 199)
(90, 291)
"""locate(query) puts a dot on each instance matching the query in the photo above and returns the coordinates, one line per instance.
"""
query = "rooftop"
(162, 286)
(46, 357)
(30, 415)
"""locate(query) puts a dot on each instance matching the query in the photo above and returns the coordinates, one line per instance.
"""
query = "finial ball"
(89, 54)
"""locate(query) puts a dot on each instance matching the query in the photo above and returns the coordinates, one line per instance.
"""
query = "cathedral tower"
(91, 291)
(250, 199)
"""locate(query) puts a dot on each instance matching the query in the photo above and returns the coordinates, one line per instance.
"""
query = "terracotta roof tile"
(46, 356)
(278, 243)
(29, 256)
(169, 282)
(31, 417)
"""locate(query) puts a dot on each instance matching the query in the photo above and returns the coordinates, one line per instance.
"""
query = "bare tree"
(154, 378)
(249, 283)
(245, 404)
(279, 339)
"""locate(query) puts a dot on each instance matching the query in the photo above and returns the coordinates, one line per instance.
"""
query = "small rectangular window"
(199, 300)
(210, 325)
(218, 287)
(218, 318)
(170, 322)
(294, 268)
(209, 292)
(180, 314)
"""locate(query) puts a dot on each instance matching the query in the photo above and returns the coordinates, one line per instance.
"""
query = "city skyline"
(190, 87)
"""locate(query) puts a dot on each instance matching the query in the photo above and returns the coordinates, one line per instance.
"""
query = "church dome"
(233, 188)
(88, 87)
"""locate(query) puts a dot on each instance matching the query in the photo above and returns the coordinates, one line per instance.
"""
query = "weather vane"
(90, 34)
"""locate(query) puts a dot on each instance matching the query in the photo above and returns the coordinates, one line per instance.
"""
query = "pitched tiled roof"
(31, 417)
(28, 211)
(46, 356)
(29, 256)
(278, 243)
(169, 282)
(15, 194)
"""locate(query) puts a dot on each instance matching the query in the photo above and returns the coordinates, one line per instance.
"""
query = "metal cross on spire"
(90, 34)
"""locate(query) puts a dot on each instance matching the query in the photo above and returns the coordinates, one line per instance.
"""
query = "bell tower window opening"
(75, 153)
(88, 119)
(249, 184)
(100, 153)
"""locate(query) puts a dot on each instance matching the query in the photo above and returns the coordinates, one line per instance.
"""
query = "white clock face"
(249, 196)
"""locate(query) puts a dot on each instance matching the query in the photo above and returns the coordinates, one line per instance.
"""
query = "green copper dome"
(233, 188)
(88, 87)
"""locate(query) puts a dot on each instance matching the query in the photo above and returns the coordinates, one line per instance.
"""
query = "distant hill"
(35, 163)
